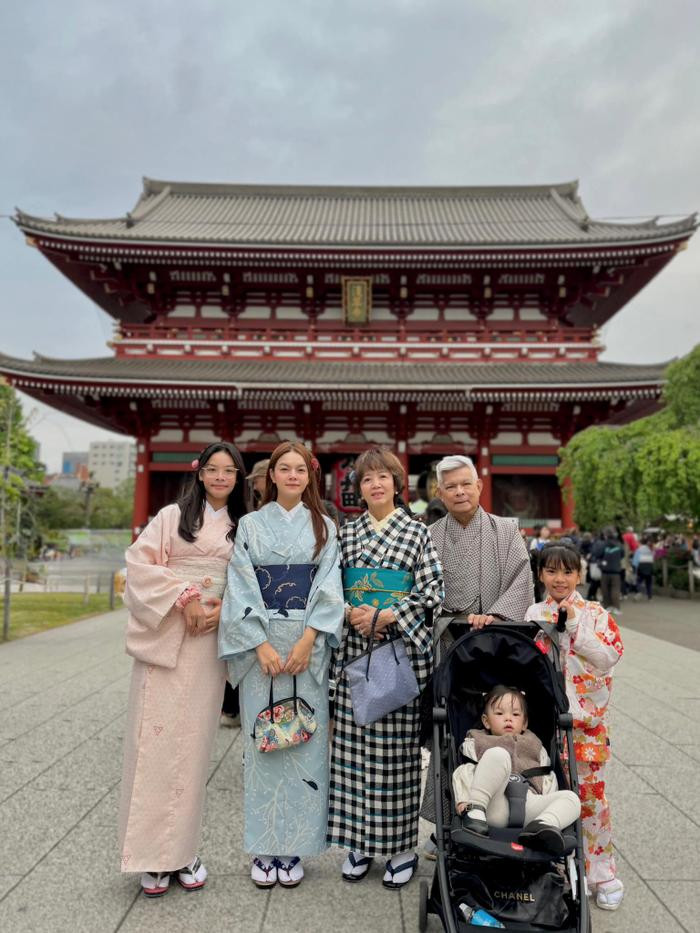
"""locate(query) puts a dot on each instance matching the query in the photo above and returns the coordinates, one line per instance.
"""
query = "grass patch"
(34, 612)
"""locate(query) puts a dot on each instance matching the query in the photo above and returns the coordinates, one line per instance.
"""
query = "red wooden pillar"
(567, 504)
(484, 470)
(141, 485)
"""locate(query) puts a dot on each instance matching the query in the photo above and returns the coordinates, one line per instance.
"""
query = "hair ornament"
(195, 464)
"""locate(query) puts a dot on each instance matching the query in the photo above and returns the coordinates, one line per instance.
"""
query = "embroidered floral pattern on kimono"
(587, 661)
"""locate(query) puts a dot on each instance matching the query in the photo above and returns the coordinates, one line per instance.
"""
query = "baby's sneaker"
(156, 883)
(474, 820)
(609, 894)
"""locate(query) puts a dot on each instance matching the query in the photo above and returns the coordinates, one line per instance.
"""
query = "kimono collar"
(576, 600)
(376, 545)
(210, 510)
(379, 524)
(289, 514)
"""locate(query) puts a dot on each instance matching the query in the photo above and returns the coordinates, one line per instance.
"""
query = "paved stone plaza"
(62, 702)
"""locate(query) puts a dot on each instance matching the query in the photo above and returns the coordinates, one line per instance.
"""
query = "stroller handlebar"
(527, 626)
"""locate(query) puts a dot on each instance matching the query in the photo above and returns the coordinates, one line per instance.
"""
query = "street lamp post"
(4, 531)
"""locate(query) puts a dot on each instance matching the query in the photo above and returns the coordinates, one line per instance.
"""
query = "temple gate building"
(434, 320)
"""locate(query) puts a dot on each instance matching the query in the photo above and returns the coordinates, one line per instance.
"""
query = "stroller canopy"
(499, 654)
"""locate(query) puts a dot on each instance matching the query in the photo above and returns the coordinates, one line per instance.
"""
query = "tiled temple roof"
(336, 216)
(448, 376)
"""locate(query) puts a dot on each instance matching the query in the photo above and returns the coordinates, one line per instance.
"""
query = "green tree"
(682, 390)
(640, 472)
(113, 508)
(23, 458)
(60, 508)
(20, 469)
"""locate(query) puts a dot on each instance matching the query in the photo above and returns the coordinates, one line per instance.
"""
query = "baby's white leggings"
(560, 808)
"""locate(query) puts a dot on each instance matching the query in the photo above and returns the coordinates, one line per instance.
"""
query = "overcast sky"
(97, 94)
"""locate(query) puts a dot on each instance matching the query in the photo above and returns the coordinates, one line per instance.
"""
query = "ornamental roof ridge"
(153, 186)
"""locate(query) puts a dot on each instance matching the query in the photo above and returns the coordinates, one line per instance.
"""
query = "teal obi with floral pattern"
(376, 586)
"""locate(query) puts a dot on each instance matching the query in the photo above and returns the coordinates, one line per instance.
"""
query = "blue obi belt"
(285, 586)
(376, 586)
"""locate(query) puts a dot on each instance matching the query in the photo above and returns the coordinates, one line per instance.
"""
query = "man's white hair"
(456, 462)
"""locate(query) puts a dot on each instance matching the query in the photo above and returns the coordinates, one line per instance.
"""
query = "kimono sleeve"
(427, 589)
(516, 581)
(597, 639)
(151, 588)
(325, 610)
(243, 622)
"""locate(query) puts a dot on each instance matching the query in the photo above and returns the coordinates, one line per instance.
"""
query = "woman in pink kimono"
(176, 573)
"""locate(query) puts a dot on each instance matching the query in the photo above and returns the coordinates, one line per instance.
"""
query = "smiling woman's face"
(290, 474)
(377, 489)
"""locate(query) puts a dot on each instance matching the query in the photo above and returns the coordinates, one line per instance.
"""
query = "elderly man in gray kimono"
(485, 564)
(484, 559)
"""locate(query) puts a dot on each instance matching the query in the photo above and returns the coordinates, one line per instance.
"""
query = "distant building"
(70, 481)
(73, 460)
(111, 462)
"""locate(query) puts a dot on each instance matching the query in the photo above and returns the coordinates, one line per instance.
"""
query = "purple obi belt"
(285, 586)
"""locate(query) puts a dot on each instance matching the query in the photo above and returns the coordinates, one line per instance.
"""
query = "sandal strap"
(263, 867)
(359, 862)
(395, 869)
(290, 864)
(193, 868)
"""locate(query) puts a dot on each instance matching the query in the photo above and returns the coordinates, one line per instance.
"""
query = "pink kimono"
(177, 687)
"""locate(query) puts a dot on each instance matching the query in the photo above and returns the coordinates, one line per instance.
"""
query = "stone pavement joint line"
(62, 703)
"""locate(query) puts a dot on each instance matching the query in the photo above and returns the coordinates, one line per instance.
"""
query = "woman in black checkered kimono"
(375, 769)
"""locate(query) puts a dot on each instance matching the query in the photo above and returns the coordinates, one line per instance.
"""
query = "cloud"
(98, 94)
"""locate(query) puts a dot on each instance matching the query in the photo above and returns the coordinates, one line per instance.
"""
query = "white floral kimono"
(588, 657)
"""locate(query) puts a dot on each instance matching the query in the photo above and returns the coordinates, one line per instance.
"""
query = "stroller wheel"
(423, 906)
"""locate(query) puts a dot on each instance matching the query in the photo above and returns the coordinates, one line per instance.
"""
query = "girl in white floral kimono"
(282, 614)
(590, 648)
(176, 571)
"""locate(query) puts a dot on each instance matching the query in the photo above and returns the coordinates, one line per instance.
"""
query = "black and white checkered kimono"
(375, 770)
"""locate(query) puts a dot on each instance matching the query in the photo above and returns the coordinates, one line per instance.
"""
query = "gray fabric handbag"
(381, 680)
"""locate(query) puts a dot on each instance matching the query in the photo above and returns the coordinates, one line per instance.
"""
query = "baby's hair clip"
(195, 464)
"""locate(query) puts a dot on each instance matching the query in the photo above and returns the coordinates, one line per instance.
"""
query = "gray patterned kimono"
(487, 570)
(375, 769)
(286, 791)
(486, 565)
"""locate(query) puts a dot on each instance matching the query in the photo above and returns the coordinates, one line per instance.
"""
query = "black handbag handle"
(371, 640)
(371, 643)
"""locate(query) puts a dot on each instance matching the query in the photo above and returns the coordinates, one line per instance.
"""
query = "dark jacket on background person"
(611, 559)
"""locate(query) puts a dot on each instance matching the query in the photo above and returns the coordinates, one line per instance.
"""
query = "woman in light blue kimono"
(282, 614)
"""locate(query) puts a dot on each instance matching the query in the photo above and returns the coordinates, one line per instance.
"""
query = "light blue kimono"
(286, 792)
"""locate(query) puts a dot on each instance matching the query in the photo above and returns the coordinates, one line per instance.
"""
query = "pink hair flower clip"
(195, 464)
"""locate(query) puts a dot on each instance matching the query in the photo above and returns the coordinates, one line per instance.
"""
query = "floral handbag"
(283, 723)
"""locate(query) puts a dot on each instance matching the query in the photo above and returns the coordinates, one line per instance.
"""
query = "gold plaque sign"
(357, 299)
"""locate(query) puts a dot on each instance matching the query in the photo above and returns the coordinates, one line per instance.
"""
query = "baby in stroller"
(507, 763)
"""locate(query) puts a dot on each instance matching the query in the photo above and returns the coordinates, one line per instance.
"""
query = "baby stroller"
(526, 890)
